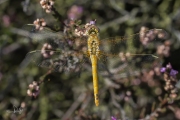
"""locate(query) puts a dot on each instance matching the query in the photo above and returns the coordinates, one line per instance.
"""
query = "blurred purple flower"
(163, 69)
(113, 118)
(75, 12)
(173, 72)
(169, 70)
(70, 42)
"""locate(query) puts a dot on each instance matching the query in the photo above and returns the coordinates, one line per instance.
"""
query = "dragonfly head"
(93, 30)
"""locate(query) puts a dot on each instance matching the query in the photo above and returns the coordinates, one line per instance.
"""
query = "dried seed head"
(29, 93)
(171, 86)
(23, 105)
(166, 88)
(174, 91)
(47, 50)
(47, 5)
(33, 89)
(39, 24)
(128, 93)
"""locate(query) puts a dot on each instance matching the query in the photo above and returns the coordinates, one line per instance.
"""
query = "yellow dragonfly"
(56, 56)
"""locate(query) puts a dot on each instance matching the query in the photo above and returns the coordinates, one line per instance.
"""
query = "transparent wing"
(56, 39)
(39, 35)
(56, 51)
(141, 45)
(132, 54)
(57, 61)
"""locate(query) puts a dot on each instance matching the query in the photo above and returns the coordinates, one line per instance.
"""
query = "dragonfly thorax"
(93, 45)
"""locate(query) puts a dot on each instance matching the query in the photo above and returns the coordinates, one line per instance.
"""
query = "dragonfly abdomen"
(95, 79)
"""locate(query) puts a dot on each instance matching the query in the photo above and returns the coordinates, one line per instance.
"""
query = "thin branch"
(74, 106)
(116, 104)
(114, 22)
(2, 1)
(118, 8)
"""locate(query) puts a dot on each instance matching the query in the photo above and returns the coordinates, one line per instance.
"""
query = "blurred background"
(67, 97)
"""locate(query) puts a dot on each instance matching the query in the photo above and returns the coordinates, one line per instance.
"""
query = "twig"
(115, 22)
(116, 104)
(2, 1)
(40, 35)
(74, 106)
(118, 8)
(10, 48)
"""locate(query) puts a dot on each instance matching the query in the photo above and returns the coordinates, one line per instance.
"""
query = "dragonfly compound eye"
(93, 30)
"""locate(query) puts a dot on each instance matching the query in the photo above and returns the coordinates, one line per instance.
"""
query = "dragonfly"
(55, 55)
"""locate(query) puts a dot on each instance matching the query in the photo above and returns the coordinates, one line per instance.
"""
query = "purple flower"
(163, 69)
(80, 9)
(113, 118)
(92, 22)
(75, 12)
(173, 72)
(169, 70)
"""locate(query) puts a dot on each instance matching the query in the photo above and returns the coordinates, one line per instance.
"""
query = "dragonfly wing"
(57, 61)
(141, 45)
(40, 36)
(56, 39)
(56, 52)
(132, 53)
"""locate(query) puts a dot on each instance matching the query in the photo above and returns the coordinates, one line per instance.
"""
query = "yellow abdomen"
(95, 78)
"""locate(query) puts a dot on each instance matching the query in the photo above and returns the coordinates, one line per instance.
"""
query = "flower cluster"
(147, 35)
(39, 24)
(46, 50)
(164, 49)
(82, 31)
(33, 89)
(170, 79)
(47, 5)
